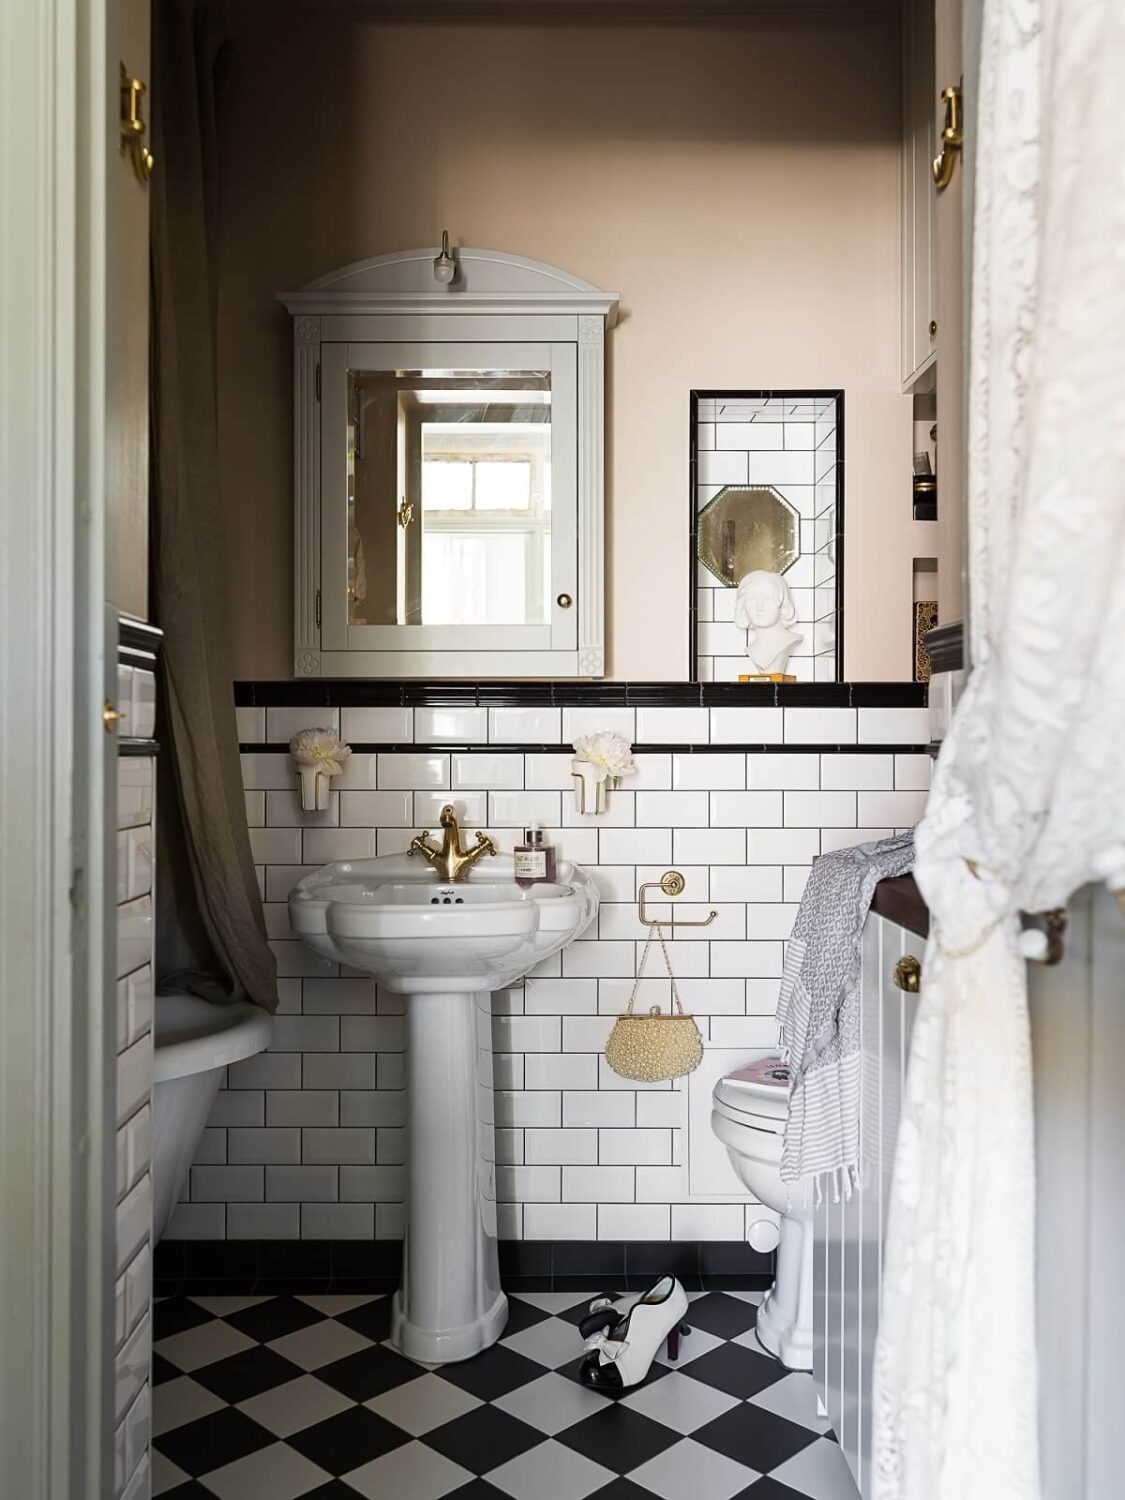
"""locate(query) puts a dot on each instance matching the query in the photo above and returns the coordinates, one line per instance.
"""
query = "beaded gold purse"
(649, 1048)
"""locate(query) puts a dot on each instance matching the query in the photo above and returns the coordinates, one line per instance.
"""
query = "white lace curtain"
(1029, 793)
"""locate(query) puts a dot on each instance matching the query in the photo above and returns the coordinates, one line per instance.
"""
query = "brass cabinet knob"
(933, 328)
(564, 601)
(908, 974)
(110, 717)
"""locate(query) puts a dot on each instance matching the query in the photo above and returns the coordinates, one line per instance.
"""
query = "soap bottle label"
(531, 864)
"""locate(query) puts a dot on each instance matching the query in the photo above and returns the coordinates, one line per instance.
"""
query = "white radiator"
(849, 1234)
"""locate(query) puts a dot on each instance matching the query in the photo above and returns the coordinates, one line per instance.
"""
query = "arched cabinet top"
(486, 281)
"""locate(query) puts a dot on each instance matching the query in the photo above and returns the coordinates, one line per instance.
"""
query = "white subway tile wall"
(135, 792)
(308, 1138)
(788, 445)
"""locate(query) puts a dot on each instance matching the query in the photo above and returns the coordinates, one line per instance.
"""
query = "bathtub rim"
(190, 1035)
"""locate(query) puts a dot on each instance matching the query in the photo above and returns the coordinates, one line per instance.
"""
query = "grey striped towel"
(818, 1012)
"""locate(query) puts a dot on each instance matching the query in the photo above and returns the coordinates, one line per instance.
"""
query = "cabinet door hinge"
(318, 380)
(318, 609)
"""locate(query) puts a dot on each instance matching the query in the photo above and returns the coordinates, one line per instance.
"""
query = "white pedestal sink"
(446, 946)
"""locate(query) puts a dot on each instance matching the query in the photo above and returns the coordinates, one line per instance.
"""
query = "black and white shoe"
(605, 1311)
(621, 1355)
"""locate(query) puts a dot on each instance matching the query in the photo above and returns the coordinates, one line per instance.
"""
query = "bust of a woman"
(764, 608)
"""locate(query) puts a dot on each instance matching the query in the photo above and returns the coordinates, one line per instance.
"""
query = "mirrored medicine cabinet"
(449, 464)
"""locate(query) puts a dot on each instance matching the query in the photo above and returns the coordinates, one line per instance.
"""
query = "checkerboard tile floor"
(269, 1398)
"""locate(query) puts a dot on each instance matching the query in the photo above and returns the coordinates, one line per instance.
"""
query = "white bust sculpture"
(764, 608)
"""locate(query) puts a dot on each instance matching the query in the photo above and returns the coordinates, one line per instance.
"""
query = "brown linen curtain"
(211, 935)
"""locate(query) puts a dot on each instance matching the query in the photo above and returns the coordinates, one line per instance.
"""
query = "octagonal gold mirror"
(746, 527)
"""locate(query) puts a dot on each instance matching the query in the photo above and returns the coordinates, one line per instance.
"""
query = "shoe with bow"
(606, 1310)
(620, 1356)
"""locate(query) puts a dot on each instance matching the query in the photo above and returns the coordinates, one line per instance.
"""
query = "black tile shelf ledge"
(349, 692)
(137, 638)
(247, 1267)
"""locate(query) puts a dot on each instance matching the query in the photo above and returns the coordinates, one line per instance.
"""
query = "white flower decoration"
(321, 750)
(609, 754)
(319, 754)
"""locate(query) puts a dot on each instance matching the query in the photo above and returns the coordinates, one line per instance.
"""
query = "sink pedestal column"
(450, 1305)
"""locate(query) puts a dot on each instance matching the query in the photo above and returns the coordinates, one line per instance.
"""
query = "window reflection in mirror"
(449, 497)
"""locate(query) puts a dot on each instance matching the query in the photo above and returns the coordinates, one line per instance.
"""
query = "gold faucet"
(451, 860)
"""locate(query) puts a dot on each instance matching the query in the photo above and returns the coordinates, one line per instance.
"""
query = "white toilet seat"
(751, 1112)
(749, 1094)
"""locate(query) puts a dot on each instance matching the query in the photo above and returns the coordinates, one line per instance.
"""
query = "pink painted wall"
(737, 185)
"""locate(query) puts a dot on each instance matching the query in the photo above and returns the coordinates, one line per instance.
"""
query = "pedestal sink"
(446, 946)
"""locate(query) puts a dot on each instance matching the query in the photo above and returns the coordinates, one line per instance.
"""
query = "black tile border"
(353, 692)
(137, 639)
(262, 1267)
(372, 747)
(139, 644)
(138, 747)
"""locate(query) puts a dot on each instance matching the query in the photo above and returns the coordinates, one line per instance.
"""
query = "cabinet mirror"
(449, 457)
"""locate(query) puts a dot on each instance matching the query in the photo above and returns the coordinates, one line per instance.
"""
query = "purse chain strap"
(654, 929)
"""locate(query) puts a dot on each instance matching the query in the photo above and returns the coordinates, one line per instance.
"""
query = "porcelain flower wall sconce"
(319, 755)
(600, 761)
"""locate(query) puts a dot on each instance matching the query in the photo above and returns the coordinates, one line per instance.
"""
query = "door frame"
(59, 105)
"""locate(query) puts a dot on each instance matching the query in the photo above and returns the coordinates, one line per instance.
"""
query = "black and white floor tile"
(270, 1398)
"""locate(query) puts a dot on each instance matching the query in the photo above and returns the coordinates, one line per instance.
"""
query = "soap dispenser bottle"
(534, 858)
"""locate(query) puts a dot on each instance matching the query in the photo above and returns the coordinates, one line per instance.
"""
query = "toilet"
(749, 1109)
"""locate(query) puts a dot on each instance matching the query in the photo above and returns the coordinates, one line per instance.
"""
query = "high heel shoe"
(621, 1355)
(606, 1310)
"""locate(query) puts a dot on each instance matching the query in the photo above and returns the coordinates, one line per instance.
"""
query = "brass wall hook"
(133, 126)
(671, 883)
(952, 138)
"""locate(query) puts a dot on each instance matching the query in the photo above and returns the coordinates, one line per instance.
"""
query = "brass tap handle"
(908, 974)
(452, 861)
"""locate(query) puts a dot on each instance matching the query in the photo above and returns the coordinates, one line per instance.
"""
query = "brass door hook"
(133, 126)
(952, 138)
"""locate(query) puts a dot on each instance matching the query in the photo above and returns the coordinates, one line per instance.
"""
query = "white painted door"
(59, 90)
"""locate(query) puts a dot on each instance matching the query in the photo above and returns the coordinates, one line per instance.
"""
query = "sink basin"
(446, 946)
(394, 918)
